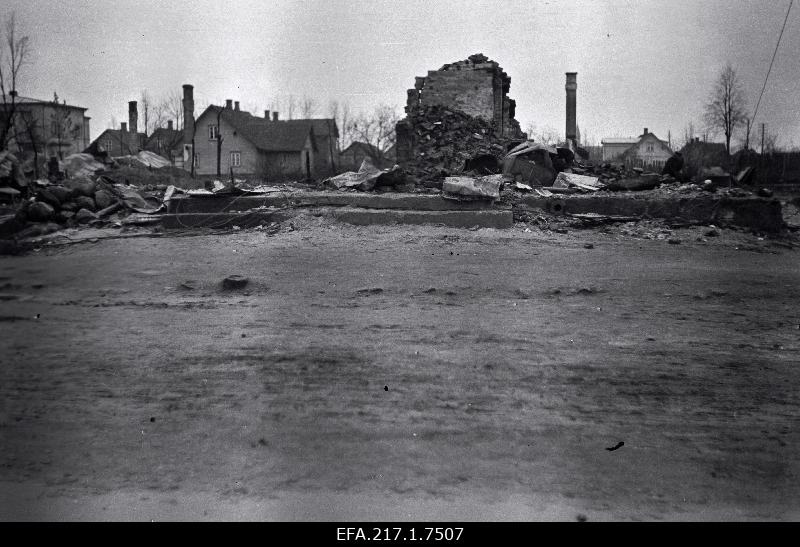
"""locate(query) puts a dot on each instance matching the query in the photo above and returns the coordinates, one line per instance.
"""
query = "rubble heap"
(446, 140)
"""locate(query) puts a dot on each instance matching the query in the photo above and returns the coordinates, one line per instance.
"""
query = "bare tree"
(342, 114)
(376, 129)
(62, 126)
(546, 135)
(30, 128)
(286, 106)
(308, 107)
(13, 54)
(725, 110)
(172, 106)
(155, 113)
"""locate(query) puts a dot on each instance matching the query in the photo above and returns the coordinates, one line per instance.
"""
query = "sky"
(640, 63)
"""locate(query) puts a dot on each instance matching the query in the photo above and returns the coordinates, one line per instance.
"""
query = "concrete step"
(409, 202)
(497, 218)
(458, 219)
(750, 212)
(247, 219)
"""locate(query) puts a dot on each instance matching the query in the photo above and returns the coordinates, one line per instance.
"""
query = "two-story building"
(649, 152)
(646, 151)
(52, 128)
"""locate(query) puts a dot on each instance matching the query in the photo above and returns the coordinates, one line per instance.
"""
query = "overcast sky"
(640, 63)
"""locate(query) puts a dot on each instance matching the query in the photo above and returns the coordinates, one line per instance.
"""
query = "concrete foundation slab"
(456, 219)
(418, 202)
(750, 212)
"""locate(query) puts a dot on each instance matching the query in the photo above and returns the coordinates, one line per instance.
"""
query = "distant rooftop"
(29, 100)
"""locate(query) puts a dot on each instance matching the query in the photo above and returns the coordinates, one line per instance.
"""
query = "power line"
(770, 64)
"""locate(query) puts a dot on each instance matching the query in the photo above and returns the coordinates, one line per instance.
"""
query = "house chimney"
(133, 123)
(645, 131)
(266, 115)
(228, 104)
(274, 116)
(123, 127)
(236, 106)
(169, 125)
(133, 117)
(571, 87)
(188, 113)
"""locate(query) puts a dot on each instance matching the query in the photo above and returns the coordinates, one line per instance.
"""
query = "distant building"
(646, 151)
(125, 141)
(351, 157)
(698, 155)
(52, 128)
(252, 146)
(326, 134)
(167, 142)
(614, 148)
(649, 152)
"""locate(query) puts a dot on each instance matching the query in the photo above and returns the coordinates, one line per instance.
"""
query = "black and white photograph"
(424, 263)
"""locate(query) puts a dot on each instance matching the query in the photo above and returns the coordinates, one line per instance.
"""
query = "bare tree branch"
(11, 62)
(376, 129)
(725, 110)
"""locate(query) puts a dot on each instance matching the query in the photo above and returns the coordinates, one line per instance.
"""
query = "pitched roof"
(363, 147)
(118, 137)
(167, 136)
(707, 147)
(323, 127)
(264, 134)
(615, 140)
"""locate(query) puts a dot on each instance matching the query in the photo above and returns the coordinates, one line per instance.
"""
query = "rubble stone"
(40, 211)
(61, 194)
(84, 216)
(47, 197)
(84, 202)
(103, 198)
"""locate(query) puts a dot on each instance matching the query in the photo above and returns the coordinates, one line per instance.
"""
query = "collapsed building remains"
(469, 100)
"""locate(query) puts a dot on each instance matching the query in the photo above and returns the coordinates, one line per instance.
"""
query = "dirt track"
(402, 373)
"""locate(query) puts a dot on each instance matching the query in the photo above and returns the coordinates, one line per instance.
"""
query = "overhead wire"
(774, 54)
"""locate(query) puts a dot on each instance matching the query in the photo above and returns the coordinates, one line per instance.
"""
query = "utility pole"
(762, 139)
(747, 139)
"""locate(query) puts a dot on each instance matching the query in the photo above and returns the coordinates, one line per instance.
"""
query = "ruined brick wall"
(476, 86)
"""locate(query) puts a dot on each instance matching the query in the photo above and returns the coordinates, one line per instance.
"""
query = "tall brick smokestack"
(571, 87)
(188, 113)
(133, 124)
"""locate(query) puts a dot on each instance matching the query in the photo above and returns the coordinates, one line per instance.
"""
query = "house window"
(236, 159)
(159, 143)
(109, 145)
(213, 132)
(650, 147)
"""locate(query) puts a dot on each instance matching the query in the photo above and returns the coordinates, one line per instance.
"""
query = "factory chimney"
(571, 87)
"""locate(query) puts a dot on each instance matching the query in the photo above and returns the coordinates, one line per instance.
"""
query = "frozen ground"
(402, 373)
